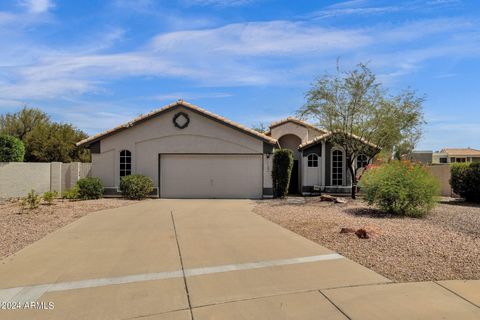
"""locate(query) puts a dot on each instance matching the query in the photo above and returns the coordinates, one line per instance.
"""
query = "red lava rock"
(347, 230)
(362, 234)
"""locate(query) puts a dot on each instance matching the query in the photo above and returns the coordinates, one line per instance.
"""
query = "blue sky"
(99, 63)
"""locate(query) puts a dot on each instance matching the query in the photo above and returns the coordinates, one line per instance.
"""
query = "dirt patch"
(17, 229)
(444, 245)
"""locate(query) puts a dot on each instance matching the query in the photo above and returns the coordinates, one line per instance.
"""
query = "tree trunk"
(354, 181)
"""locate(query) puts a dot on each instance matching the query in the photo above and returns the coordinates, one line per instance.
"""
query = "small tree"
(364, 118)
(281, 171)
(11, 149)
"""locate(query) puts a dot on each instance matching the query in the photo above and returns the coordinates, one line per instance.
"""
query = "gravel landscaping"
(20, 228)
(444, 245)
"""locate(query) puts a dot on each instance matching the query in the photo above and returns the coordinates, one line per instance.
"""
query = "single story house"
(190, 152)
(447, 155)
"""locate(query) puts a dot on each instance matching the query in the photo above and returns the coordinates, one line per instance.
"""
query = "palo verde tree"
(356, 108)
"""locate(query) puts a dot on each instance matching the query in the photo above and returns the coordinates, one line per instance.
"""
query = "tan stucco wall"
(443, 175)
(17, 179)
(290, 128)
(160, 136)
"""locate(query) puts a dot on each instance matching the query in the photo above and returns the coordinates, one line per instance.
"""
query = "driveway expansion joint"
(455, 293)
(181, 264)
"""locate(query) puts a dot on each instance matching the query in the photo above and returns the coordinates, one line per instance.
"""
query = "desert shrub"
(465, 180)
(11, 149)
(136, 186)
(71, 194)
(31, 201)
(281, 171)
(400, 187)
(49, 196)
(89, 188)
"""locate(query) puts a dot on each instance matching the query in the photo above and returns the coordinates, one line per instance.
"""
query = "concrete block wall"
(19, 178)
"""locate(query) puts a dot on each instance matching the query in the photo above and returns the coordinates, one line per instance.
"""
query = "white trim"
(323, 163)
(318, 160)
(344, 178)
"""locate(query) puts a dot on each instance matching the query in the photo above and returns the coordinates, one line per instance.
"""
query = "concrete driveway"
(202, 259)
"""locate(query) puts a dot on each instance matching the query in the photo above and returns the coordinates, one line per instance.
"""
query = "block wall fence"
(18, 178)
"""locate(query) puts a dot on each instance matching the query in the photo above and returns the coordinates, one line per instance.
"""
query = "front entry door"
(293, 187)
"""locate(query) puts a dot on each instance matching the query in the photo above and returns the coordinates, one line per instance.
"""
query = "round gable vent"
(181, 120)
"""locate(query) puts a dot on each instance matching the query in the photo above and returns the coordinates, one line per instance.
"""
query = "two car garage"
(210, 176)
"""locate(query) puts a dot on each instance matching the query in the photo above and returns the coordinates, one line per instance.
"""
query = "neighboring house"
(189, 152)
(447, 155)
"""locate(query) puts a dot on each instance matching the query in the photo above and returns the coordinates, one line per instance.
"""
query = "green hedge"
(11, 149)
(400, 187)
(89, 188)
(136, 186)
(281, 171)
(465, 180)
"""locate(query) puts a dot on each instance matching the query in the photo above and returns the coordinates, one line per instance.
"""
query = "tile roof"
(297, 121)
(178, 103)
(328, 134)
(461, 152)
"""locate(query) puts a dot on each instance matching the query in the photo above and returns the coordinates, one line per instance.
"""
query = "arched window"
(312, 161)
(125, 163)
(362, 161)
(337, 167)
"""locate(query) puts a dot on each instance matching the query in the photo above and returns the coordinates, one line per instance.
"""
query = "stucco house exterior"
(190, 152)
(447, 155)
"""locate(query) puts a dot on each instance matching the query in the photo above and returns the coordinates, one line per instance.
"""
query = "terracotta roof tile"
(461, 152)
(170, 106)
(328, 134)
(297, 121)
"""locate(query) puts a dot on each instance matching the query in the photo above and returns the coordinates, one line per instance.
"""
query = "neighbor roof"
(179, 103)
(296, 121)
(461, 152)
(328, 134)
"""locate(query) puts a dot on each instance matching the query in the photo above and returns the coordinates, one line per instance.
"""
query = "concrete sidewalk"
(208, 259)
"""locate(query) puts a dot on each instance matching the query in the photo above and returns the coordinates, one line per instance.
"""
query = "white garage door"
(211, 176)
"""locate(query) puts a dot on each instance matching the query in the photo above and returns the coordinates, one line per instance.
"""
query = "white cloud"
(251, 53)
(37, 6)
(262, 38)
(217, 3)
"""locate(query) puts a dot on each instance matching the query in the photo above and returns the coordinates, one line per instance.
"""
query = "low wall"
(19, 178)
(442, 173)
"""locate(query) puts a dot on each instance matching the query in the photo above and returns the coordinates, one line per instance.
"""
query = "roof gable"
(172, 106)
(328, 134)
(296, 121)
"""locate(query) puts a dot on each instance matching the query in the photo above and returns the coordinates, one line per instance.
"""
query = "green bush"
(89, 188)
(281, 171)
(11, 149)
(31, 201)
(71, 194)
(49, 196)
(400, 187)
(465, 180)
(136, 186)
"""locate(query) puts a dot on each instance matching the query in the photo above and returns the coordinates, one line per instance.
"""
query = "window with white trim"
(125, 163)
(337, 168)
(362, 161)
(312, 161)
